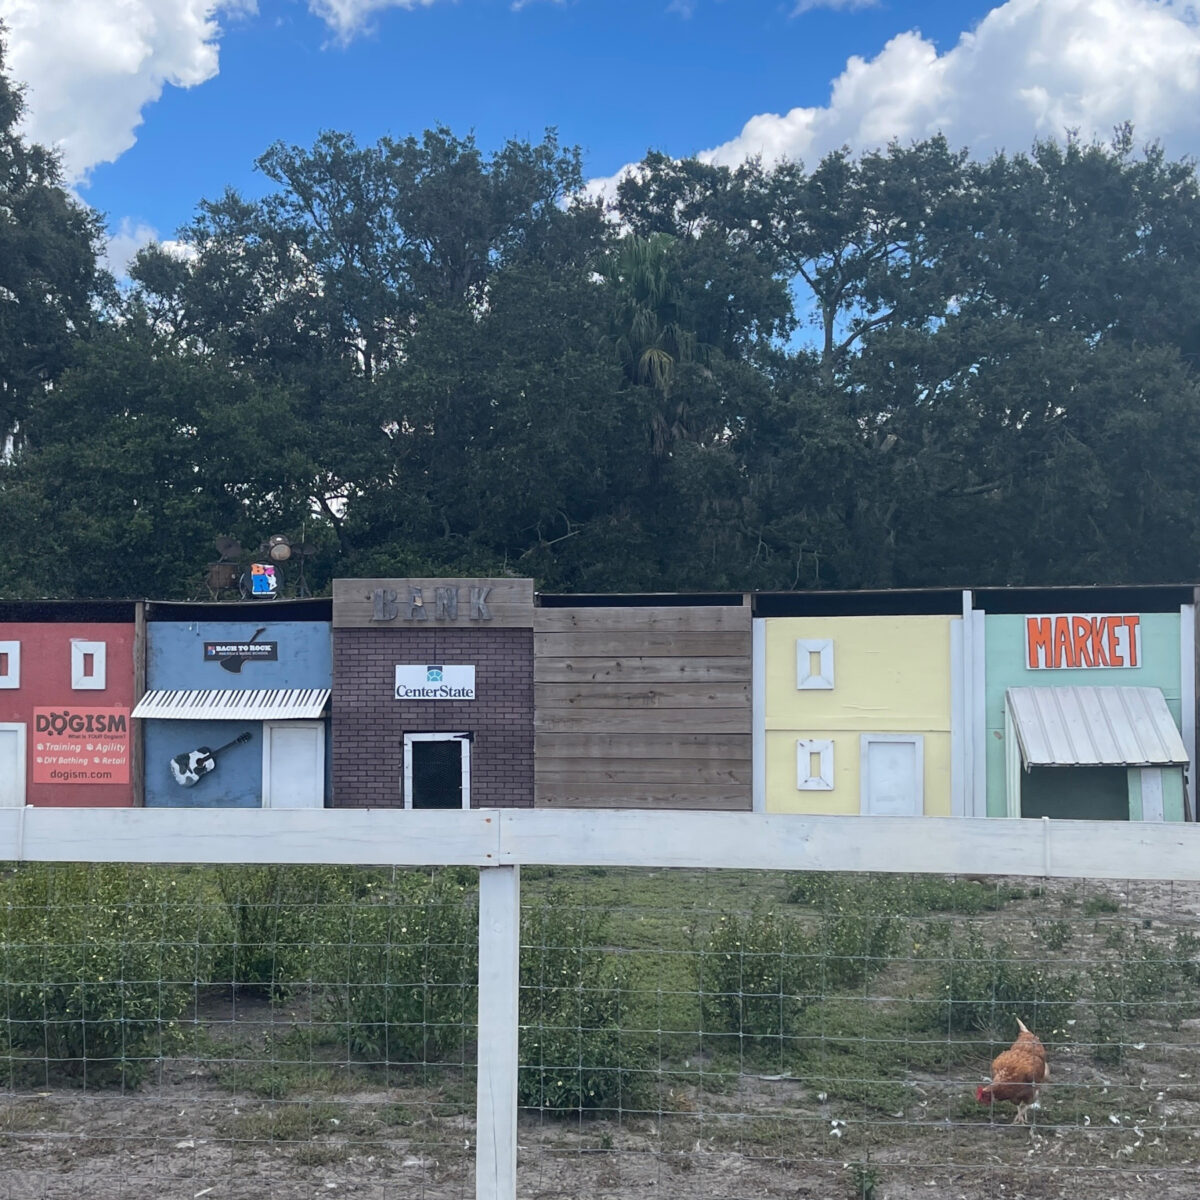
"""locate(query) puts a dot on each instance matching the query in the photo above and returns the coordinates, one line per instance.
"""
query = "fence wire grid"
(285, 1031)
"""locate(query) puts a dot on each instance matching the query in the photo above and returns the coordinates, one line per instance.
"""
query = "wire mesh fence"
(295, 1031)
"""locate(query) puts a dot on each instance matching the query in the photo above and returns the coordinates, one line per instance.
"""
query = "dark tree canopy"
(900, 368)
(49, 282)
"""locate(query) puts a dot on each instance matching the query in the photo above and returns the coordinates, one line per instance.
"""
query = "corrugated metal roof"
(1095, 726)
(233, 704)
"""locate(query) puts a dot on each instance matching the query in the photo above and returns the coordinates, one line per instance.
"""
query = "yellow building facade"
(856, 714)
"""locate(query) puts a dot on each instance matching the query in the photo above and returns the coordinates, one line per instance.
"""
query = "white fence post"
(499, 996)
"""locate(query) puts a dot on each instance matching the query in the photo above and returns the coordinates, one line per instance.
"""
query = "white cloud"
(130, 237)
(348, 18)
(1030, 69)
(92, 66)
(803, 6)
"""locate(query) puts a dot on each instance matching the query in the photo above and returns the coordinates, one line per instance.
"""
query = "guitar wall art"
(192, 766)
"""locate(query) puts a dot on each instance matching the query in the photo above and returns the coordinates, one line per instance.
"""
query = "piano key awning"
(233, 704)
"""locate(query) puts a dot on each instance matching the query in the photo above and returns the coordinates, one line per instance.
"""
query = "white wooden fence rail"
(500, 841)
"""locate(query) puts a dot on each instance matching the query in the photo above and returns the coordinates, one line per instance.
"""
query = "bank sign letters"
(387, 604)
(1083, 641)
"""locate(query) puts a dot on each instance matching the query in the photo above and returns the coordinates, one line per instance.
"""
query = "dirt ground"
(175, 1142)
(1124, 1132)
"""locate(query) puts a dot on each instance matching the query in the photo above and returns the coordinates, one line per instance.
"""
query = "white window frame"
(268, 727)
(96, 681)
(20, 779)
(806, 680)
(805, 780)
(406, 782)
(866, 741)
(12, 677)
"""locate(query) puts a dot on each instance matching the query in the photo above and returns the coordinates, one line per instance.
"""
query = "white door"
(12, 766)
(293, 764)
(893, 770)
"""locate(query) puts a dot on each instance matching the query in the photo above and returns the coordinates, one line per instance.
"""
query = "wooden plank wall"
(642, 708)
(509, 603)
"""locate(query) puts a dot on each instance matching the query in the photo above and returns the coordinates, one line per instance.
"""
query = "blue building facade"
(235, 714)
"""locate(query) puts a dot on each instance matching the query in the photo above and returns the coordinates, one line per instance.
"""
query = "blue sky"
(158, 103)
(615, 77)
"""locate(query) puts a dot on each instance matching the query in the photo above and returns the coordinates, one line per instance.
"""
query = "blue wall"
(175, 659)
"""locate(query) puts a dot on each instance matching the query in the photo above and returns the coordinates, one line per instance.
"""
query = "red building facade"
(67, 679)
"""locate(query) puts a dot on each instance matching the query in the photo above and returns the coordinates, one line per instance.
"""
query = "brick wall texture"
(369, 724)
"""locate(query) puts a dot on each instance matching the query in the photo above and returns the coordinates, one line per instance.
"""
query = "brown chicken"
(1017, 1074)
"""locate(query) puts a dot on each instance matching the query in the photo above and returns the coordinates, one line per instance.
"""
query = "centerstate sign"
(435, 682)
(1083, 641)
(81, 745)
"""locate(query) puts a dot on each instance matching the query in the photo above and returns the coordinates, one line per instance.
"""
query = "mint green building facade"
(1087, 657)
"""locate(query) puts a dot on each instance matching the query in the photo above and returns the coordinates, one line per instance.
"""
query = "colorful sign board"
(1083, 641)
(222, 652)
(435, 682)
(263, 583)
(81, 745)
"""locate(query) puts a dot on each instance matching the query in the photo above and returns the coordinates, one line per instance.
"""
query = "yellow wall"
(891, 675)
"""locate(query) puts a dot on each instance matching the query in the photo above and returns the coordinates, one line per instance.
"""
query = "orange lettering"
(1081, 641)
(1131, 623)
(1114, 651)
(1098, 652)
(1063, 650)
(1037, 636)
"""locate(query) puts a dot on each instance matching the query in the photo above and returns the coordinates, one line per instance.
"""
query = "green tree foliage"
(49, 282)
(899, 368)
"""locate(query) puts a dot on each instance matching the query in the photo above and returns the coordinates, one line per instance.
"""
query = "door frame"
(20, 728)
(268, 727)
(406, 780)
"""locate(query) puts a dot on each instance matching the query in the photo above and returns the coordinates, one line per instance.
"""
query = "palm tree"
(645, 328)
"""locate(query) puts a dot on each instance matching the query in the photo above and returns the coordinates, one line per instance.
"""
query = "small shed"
(1089, 701)
(433, 693)
(236, 711)
(67, 683)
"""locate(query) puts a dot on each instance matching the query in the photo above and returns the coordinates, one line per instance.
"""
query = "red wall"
(46, 684)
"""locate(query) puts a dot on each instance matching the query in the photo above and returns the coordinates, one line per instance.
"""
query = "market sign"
(1083, 641)
(81, 745)
(435, 682)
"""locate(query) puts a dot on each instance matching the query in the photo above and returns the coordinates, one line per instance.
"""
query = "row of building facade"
(444, 693)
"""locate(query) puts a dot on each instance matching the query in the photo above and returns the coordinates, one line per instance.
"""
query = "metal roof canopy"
(1095, 726)
(233, 704)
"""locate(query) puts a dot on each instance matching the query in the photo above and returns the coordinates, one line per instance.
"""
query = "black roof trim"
(641, 600)
(79, 612)
(888, 602)
(1138, 597)
(315, 608)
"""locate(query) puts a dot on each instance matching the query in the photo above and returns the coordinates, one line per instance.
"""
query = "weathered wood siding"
(642, 707)
(507, 603)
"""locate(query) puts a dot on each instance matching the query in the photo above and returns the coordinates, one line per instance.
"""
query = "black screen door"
(437, 772)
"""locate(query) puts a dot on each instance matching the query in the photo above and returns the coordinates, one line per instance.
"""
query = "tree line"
(898, 368)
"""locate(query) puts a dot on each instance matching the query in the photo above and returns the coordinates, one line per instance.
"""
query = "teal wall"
(1078, 793)
(1005, 659)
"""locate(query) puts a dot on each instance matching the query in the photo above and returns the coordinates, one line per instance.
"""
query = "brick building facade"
(382, 744)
